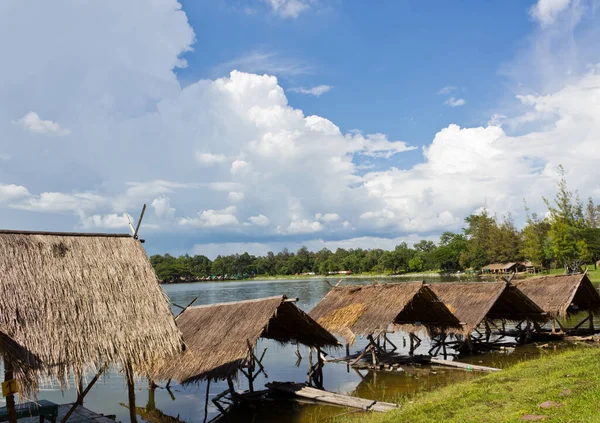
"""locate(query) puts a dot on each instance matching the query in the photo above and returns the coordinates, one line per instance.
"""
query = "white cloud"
(210, 159)
(142, 137)
(546, 11)
(260, 220)
(304, 227)
(33, 123)
(109, 221)
(316, 90)
(212, 218)
(162, 208)
(10, 192)
(288, 8)
(455, 102)
(447, 89)
(327, 217)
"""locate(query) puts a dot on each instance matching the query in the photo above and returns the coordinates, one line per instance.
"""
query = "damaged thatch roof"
(561, 295)
(217, 336)
(71, 302)
(357, 310)
(471, 302)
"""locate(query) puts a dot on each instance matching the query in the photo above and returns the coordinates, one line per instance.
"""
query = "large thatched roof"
(70, 302)
(217, 336)
(357, 310)
(561, 295)
(471, 302)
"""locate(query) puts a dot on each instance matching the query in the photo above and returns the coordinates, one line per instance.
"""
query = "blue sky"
(263, 124)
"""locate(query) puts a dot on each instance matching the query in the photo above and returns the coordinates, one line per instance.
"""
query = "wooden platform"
(81, 415)
(331, 398)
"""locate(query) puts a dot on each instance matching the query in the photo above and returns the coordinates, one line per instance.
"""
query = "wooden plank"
(459, 365)
(301, 390)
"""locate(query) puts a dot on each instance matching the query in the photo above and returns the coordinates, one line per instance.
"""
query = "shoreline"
(333, 277)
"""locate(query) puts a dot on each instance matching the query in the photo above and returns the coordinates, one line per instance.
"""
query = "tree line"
(567, 235)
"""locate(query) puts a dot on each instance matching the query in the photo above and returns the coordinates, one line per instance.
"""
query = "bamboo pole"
(10, 398)
(131, 392)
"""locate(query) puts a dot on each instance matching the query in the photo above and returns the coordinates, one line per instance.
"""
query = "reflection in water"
(188, 402)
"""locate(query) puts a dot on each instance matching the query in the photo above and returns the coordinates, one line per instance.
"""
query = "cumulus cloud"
(212, 218)
(109, 221)
(162, 208)
(142, 137)
(33, 123)
(315, 91)
(455, 102)
(10, 192)
(260, 220)
(546, 11)
(210, 159)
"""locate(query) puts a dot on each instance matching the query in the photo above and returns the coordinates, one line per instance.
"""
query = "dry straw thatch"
(359, 310)
(217, 336)
(73, 302)
(472, 302)
(561, 295)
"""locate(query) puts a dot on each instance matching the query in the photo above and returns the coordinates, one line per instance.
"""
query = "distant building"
(502, 268)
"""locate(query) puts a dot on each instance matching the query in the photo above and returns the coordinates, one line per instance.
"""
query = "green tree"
(567, 226)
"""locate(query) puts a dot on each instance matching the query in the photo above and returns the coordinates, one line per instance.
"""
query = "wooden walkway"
(81, 415)
(331, 398)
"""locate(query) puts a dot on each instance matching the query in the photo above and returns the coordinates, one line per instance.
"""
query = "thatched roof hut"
(73, 302)
(358, 310)
(219, 336)
(561, 295)
(472, 302)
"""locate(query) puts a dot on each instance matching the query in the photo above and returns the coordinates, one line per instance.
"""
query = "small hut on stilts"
(373, 310)
(483, 307)
(79, 303)
(221, 341)
(563, 296)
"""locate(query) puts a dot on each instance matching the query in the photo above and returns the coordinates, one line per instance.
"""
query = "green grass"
(593, 274)
(508, 395)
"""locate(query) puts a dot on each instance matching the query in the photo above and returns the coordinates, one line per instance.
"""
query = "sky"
(261, 124)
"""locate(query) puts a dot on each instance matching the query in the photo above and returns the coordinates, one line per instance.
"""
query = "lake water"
(110, 393)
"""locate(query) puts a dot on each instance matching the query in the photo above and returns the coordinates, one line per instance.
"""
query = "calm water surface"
(109, 395)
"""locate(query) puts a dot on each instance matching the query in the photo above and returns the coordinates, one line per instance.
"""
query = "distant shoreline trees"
(568, 236)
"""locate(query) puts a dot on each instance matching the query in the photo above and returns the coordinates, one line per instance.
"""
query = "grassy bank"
(509, 395)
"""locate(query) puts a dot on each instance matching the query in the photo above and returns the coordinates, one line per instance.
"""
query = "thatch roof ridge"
(75, 303)
(355, 310)
(472, 302)
(555, 294)
(50, 233)
(217, 336)
(225, 303)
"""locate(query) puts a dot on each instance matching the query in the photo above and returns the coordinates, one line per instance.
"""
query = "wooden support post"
(528, 333)
(232, 389)
(130, 392)
(591, 316)
(394, 347)
(79, 377)
(83, 394)
(553, 326)
(206, 400)
(10, 398)
(347, 349)
(412, 345)
(151, 405)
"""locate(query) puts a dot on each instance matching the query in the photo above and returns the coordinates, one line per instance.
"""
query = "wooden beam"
(131, 391)
(82, 395)
(137, 228)
(206, 400)
(10, 399)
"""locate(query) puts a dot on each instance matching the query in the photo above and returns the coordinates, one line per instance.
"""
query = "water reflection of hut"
(221, 338)
(562, 296)
(370, 310)
(73, 302)
(479, 305)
